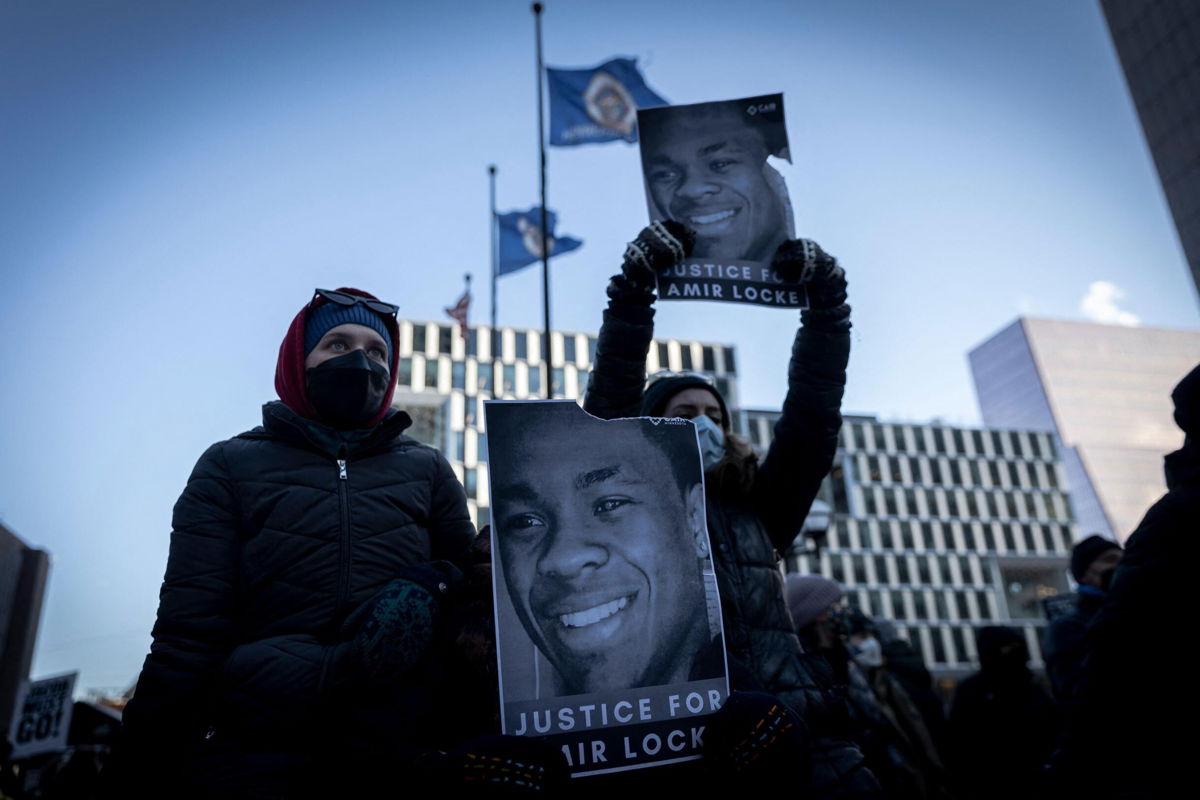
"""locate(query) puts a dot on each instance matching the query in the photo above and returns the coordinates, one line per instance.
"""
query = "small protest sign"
(608, 624)
(1060, 605)
(42, 716)
(708, 166)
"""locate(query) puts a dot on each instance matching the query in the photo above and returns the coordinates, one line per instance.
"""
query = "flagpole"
(537, 18)
(464, 330)
(492, 344)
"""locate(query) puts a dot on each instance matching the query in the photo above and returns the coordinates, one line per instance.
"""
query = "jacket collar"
(281, 422)
(1182, 468)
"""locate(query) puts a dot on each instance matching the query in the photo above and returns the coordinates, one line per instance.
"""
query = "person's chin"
(590, 635)
(718, 250)
(764, 251)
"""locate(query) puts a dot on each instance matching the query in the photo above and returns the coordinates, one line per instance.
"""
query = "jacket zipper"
(343, 586)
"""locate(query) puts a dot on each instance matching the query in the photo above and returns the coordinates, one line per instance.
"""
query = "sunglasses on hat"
(347, 299)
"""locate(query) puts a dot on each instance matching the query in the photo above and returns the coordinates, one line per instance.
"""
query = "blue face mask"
(712, 441)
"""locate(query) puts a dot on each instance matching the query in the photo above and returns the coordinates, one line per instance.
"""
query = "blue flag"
(521, 239)
(598, 104)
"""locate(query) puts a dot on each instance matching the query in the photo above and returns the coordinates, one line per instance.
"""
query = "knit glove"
(660, 246)
(755, 737)
(392, 630)
(803, 261)
(506, 765)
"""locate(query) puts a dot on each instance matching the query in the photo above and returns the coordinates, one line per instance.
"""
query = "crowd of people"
(326, 621)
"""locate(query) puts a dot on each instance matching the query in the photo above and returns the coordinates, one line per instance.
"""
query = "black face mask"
(1106, 579)
(347, 390)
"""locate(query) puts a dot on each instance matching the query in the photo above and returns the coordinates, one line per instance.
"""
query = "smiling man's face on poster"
(602, 546)
(706, 166)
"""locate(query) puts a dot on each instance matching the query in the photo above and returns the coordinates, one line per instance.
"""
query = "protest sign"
(42, 716)
(608, 623)
(1060, 605)
(708, 166)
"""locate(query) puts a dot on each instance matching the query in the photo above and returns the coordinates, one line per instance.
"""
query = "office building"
(1104, 391)
(1158, 43)
(23, 574)
(942, 530)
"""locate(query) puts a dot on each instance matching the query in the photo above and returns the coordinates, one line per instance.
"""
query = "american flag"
(458, 312)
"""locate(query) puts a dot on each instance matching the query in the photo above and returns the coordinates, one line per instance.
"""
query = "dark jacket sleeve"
(450, 529)
(618, 377)
(805, 441)
(195, 630)
(805, 436)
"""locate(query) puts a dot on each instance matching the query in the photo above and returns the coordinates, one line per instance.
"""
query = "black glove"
(392, 630)
(803, 261)
(660, 246)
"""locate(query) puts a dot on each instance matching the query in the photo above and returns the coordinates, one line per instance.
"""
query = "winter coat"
(1065, 644)
(279, 535)
(1003, 724)
(1131, 713)
(750, 532)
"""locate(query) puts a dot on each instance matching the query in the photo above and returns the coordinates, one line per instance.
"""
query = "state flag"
(598, 104)
(521, 239)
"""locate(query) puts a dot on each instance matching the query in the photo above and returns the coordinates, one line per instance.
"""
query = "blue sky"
(179, 176)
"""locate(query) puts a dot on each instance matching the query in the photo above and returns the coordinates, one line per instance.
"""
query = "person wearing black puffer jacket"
(308, 564)
(754, 511)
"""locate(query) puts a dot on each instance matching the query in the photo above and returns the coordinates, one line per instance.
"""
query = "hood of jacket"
(290, 379)
(1183, 466)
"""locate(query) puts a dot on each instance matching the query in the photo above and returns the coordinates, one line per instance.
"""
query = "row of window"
(955, 471)
(889, 438)
(477, 376)
(687, 363)
(904, 605)
(518, 381)
(427, 339)
(995, 504)
(866, 569)
(430, 339)
(1022, 538)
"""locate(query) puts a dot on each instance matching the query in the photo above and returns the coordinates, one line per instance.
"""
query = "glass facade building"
(444, 378)
(1158, 42)
(942, 530)
(1104, 391)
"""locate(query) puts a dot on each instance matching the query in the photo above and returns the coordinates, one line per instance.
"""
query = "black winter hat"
(324, 318)
(1087, 551)
(997, 644)
(660, 392)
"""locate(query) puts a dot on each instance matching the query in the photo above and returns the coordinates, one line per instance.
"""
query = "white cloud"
(1100, 305)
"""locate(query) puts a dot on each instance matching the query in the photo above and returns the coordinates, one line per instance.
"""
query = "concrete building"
(1157, 42)
(443, 380)
(23, 573)
(1104, 391)
(942, 530)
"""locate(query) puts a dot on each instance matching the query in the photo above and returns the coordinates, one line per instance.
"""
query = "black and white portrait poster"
(709, 166)
(608, 623)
